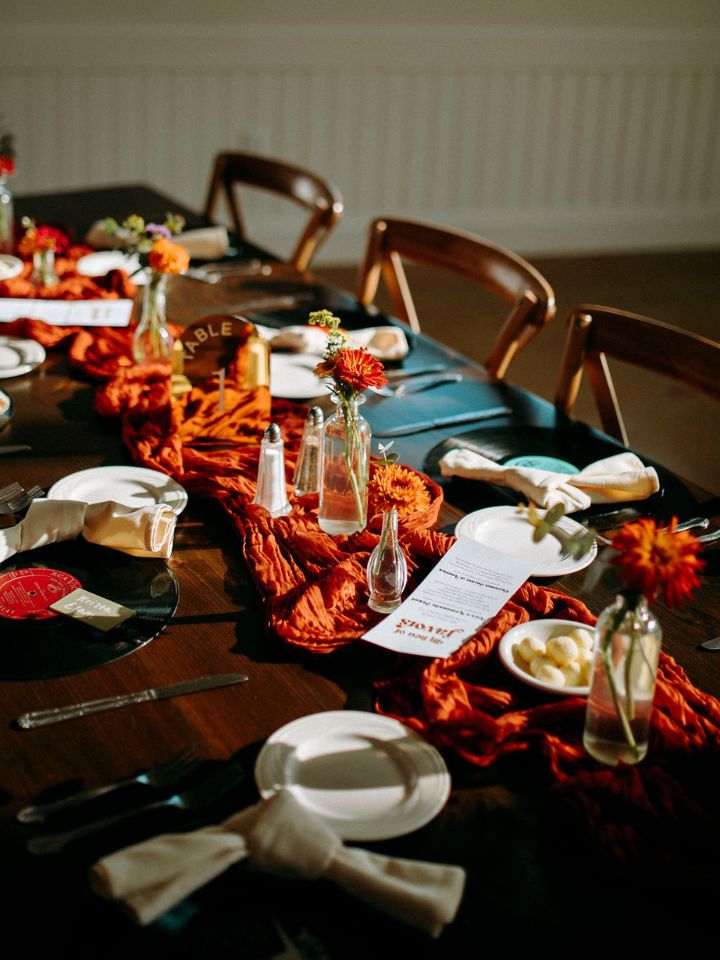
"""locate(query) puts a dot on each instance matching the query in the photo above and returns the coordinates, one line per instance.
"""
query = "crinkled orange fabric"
(313, 588)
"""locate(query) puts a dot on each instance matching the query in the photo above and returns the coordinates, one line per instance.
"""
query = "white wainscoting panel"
(546, 141)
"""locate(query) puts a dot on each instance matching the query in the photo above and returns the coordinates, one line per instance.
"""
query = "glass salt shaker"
(271, 490)
(307, 471)
(387, 568)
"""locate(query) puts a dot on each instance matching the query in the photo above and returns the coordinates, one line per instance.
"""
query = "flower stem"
(606, 642)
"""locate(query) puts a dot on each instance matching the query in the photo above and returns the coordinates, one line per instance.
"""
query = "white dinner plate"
(10, 266)
(18, 356)
(542, 630)
(100, 263)
(292, 377)
(366, 776)
(503, 528)
(132, 486)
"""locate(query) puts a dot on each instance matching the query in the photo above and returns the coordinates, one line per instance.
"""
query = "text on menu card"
(463, 591)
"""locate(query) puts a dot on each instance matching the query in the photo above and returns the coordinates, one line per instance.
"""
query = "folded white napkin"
(277, 836)
(144, 532)
(206, 243)
(385, 343)
(617, 478)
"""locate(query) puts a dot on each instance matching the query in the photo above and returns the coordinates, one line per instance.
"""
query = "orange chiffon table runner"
(314, 593)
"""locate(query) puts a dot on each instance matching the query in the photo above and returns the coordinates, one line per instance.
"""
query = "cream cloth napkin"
(617, 478)
(144, 532)
(385, 343)
(206, 243)
(277, 836)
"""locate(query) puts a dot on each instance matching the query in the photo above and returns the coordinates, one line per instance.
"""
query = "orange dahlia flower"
(168, 257)
(399, 487)
(358, 370)
(653, 559)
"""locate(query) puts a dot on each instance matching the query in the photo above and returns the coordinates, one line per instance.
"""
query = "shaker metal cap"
(315, 417)
(272, 433)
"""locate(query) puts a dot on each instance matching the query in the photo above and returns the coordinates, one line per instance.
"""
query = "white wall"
(546, 126)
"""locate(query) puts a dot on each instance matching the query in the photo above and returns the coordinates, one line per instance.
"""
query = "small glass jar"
(345, 467)
(152, 342)
(622, 686)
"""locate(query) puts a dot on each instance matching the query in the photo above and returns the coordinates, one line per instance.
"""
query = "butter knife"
(41, 718)
(439, 422)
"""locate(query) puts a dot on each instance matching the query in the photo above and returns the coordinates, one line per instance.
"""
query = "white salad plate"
(132, 486)
(18, 356)
(366, 776)
(10, 266)
(100, 263)
(504, 529)
(292, 377)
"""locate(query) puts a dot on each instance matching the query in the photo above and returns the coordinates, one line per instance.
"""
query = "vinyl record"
(578, 445)
(36, 643)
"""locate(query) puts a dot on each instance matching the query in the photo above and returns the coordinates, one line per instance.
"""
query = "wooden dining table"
(524, 885)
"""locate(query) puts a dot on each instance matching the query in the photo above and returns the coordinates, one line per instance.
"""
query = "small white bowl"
(542, 630)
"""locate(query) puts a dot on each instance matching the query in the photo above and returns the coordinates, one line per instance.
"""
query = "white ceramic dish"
(10, 266)
(19, 356)
(503, 528)
(366, 776)
(542, 630)
(292, 377)
(132, 486)
(100, 263)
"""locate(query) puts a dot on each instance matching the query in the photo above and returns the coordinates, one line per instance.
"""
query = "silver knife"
(41, 718)
(15, 448)
(448, 421)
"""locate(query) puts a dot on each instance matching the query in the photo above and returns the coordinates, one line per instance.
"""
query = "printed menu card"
(463, 591)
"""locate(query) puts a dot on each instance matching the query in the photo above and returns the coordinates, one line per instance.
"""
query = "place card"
(68, 313)
(95, 611)
(462, 592)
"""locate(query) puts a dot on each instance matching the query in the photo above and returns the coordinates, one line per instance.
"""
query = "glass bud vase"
(152, 342)
(7, 224)
(43, 274)
(627, 651)
(387, 568)
(345, 466)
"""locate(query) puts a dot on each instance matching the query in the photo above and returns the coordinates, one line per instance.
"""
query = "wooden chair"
(594, 333)
(497, 270)
(320, 197)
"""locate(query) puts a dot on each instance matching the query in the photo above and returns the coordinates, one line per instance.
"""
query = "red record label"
(25, 594)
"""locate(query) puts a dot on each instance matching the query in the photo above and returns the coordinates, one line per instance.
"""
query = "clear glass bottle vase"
(152, 342)
(345, 466)
(43, 274)
(622, 685)
(387, 567)
(7, 222)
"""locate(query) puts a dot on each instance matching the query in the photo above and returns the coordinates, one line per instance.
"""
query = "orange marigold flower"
(653, 559)
(168, 257)
(396, 486)
(358, 370)
(42, 238)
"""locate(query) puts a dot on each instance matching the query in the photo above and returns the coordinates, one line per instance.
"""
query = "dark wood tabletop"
(218, 628)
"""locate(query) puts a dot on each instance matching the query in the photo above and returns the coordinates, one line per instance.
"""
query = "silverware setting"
(215, 272)
(164, 774)
(193, 798)
(699, 522)
(713, 644)
(15, 448)
(416, 384)
(42, 718)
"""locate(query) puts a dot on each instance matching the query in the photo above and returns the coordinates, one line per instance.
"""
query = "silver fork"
(701, 522)
(163, 774)
(9, 492)
(22, 500)
(194, 798)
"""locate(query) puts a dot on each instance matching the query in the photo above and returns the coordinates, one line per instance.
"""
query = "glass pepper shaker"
(307, 471)
(387, 568)
(271, 491)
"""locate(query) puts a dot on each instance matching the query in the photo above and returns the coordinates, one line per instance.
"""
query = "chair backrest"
(594, 333)
(497, 270)
(320, 197)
